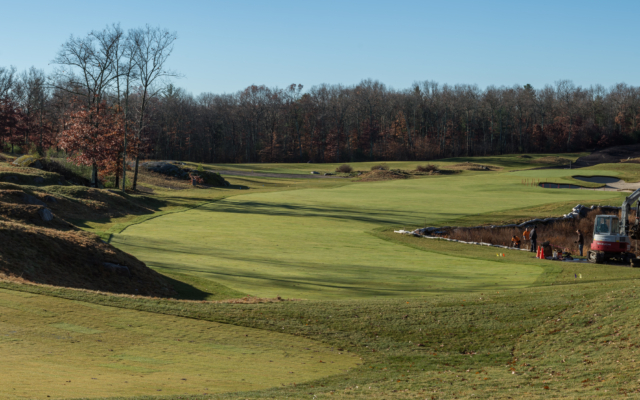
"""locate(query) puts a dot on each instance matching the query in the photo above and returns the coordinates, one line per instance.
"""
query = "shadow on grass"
(368, 215)
(187, 291)
(330, 278)
(126, 205)
(190, 287)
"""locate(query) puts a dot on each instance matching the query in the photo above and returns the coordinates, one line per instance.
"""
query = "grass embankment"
(510, 327)
(576, 338)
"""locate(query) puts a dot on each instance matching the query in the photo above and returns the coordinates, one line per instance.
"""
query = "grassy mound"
(84, 203)
(28, 176)
(30, 215)
(550, 160)
(39, 245)
(76, 203)
(468, 166)
(211, 178)
(73, 259)
(383, 175)
(70, 173)
(182, 172)
(26, 160)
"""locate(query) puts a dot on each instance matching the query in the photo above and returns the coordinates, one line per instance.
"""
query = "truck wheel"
(595, 257)
(628, 258)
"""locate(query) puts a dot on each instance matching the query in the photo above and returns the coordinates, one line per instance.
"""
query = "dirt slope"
(73, 258)
(39, 244)
(611, 155)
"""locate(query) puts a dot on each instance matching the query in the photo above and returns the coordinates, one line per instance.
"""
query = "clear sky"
(224, 46)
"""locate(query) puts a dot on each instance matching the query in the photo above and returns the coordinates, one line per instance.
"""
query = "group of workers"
(528, 235)
(532, 236)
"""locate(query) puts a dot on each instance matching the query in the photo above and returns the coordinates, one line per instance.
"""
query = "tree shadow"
(368, 215)
(186, 291)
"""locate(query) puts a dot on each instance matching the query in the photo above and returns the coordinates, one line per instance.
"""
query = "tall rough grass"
(427, 168)
(561, 235)
(81, 170)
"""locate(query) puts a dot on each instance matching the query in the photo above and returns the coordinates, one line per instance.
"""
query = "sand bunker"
(598, 179)
(610, 183)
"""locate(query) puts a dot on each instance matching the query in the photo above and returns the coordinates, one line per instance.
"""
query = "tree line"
(111, 101)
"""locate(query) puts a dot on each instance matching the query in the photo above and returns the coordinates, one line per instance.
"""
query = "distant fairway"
(68, 349)
(315, 243)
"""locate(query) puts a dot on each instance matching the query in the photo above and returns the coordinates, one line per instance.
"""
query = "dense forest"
(124, 74)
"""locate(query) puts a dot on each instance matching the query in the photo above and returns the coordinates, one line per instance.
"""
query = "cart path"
(610, 182)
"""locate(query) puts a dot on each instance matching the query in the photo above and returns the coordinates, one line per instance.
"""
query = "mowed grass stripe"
(71, 350)
(314, 243)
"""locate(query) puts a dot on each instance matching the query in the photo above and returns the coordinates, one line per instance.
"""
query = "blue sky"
(226, 46)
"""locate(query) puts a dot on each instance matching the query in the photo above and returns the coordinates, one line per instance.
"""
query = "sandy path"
(611, 183)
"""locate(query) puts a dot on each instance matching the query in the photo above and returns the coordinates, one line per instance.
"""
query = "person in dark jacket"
(580, 241)
(534, 238)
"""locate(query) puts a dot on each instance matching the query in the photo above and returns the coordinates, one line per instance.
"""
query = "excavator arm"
(634, 230)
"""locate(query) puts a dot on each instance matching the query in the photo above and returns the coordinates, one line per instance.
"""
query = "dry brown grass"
(561, 235)
(72, 259)
(550, 160)
(380, 167)
(472, 167)
(345, 168)
(379, 175)
(163, 181)
(427, 168)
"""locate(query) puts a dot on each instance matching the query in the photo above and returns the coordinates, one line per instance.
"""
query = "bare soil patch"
(472, 167)
(550, 160)
(560, 234)
(611, 155)
(382, 175)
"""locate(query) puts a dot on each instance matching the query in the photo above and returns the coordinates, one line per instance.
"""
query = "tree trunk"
(94, 176)
(135, 173)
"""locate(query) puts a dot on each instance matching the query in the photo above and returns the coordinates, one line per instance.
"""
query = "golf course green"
(316, 243)
(299, 288)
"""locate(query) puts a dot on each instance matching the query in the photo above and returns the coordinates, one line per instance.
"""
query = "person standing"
(580, 241)
(525, 235)
(534, 238)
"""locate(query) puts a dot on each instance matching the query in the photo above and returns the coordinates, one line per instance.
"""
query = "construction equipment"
(612, 235)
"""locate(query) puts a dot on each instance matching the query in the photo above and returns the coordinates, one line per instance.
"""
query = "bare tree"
(125, 73)
(7, 80)
(151, 49)
(30, 91)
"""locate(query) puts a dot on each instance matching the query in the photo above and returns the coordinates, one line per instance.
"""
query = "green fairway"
(66, 349)
(389, 316)
(507, 161)
(316, 243)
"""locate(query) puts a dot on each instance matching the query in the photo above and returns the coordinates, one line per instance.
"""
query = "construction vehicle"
(612, 235)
